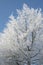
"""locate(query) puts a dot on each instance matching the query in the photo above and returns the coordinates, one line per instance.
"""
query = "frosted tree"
(21, 42)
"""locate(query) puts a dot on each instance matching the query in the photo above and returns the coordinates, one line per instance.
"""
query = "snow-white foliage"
(17, 37)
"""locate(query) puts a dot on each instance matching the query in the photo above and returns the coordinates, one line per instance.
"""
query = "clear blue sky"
(9, 6)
